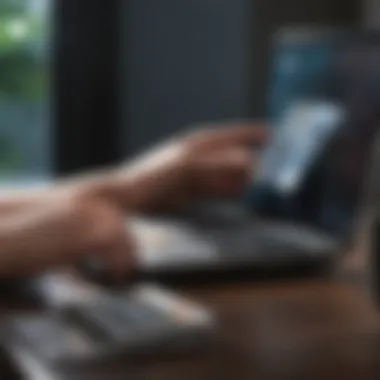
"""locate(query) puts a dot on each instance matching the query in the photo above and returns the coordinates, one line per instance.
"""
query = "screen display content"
(314, 168)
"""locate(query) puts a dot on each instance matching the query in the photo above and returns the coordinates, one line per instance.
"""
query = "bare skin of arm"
(61, 224)
(209, 163)
(61, 233)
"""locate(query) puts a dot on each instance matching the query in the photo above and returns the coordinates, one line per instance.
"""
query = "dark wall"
(187, 61)
(371, 13)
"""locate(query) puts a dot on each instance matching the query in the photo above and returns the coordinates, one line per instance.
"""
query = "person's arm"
(212, 162)
(71, 219)
(63, 232)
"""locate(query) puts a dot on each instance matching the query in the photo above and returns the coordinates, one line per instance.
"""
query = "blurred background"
(25, 107)
(85, 83)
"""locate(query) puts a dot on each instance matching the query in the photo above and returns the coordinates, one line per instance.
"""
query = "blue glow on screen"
(346, 71)
(299, 70)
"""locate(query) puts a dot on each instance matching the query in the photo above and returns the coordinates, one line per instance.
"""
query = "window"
(25, 128)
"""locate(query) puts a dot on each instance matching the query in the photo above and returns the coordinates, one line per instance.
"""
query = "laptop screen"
(324, 131)
(301, 63)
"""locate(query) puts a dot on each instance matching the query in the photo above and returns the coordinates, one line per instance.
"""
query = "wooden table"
(317, 329)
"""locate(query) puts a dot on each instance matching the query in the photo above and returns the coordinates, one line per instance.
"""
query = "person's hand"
(212, 162)
(64, 230)
(76, 219)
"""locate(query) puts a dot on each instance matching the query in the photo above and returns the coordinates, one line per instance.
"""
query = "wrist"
(157, 181)
(154, 184)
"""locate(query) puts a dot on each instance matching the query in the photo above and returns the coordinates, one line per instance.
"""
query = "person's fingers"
(242, 134)
(223, 173)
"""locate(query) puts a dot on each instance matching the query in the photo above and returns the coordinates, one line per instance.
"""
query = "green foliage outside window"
(11, 7)
(22, 66)
(23, 72)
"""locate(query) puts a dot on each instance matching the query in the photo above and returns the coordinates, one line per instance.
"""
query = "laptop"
(300, 210)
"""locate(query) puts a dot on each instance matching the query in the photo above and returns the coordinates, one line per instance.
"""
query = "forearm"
(31, 240)
(98, 184)
(60, 233)
(21, 200)
(138, 187)
(141, 186)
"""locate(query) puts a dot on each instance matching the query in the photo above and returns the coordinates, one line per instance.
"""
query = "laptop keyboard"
(292, 235)
(144, 319)
(245, 243)
(113, 320)
(272, 240)
(166, 244)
